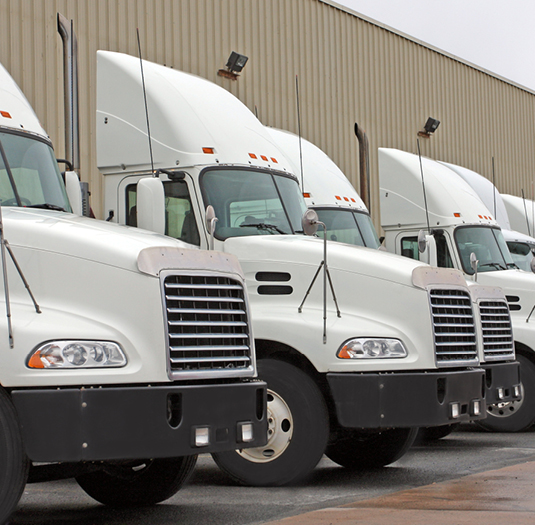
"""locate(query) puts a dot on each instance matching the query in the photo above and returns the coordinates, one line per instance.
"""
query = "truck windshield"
(250, 202)
(348, 226)
(488, 245)
(29, 174)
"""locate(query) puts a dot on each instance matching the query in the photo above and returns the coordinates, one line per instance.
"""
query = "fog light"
(455, 410)
(202, 436)
(245, 430)
(517, 391)
(476, 407)
(501, 393)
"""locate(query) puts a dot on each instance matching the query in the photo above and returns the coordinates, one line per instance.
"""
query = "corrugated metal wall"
(348, 69)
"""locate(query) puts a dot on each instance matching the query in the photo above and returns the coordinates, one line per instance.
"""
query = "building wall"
(348, 69)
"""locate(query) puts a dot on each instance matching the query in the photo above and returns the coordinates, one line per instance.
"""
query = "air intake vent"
(208, 327)
(453, 323)
(498, 343)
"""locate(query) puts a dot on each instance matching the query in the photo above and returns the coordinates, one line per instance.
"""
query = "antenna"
(145, 98)
(526, 211)
(423, 187)
(494, 185)
(299, 132)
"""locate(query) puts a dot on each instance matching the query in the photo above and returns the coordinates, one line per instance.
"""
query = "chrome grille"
(208, 327)
(454, 329)
(498, 343)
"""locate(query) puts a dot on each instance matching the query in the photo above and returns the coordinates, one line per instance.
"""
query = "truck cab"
(465, 235)
(351, 371)
(124, 353)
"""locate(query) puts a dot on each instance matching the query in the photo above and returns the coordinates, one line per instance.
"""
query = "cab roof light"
(253, 156)
(263, 157)
(306, 195)
(353, 200)
(274, 160)
(480, 216)
(209, 151)
(456, 214)
(5, 114)
(346, 199)
(338, 198)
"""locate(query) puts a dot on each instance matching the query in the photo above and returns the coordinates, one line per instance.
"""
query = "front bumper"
(502, 382)
(408, 399)
(138, 422)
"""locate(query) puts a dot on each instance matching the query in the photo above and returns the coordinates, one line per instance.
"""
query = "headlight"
(372, 348)
(77, 354)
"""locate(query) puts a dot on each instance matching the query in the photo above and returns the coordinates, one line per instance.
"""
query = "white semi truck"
(521, 246)
(123, 353)
(434, 198)
(339, 206)
(351, 369)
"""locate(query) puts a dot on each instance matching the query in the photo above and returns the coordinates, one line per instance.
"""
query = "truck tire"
(356, 450)
(515, 416)
(138, 484)
(298, 430)
(14, 464)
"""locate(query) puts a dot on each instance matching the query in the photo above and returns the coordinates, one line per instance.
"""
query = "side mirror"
(74, 192)
(473, 264)
(150, 205)
(532, 264)
(422, 241)
(310, 222)
(211, 219)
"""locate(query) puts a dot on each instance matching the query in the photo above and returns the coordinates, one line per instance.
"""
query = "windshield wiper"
(46, 206)
(513, 265)
(262, 226)
(496, 265)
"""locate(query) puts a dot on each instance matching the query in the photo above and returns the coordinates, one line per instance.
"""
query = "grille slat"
(498, 342)
(203, 311)
(454, 328)
(203, 299)
(208, 326)
(178, 360)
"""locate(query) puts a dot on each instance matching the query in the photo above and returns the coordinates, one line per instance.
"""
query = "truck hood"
(80, 237)
(518, 285)
(298, 250)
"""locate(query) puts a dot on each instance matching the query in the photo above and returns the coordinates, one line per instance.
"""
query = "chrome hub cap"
(280, 431)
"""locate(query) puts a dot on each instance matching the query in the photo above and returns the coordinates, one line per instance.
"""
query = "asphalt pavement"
(495, 497)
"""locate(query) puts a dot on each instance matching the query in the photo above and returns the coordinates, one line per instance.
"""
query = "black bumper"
(407, 399)
(500, 382)
(114, 423)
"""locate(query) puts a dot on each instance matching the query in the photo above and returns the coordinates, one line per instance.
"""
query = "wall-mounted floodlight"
(235, 63)
(430, 127)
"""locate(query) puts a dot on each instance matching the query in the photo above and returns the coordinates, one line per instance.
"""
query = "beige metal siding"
(349, 69)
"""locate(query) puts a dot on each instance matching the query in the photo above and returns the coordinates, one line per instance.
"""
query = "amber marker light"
(5, 114)
(253, 156)
(209, 151)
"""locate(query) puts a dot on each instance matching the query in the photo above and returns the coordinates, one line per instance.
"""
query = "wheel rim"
(507, 409)
(280, 431)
